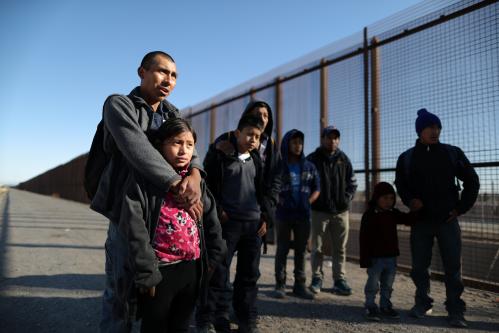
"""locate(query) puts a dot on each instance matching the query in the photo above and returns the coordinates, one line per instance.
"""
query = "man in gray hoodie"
(126, 120)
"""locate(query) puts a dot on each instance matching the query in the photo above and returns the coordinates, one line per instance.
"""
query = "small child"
(300, 188)
(169, 253)
(379, 249)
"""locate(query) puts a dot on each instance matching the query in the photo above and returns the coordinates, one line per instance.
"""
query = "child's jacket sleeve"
(133, 227)
(215, 245)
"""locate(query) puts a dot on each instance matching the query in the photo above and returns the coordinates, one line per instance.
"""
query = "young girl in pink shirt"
(170, 253)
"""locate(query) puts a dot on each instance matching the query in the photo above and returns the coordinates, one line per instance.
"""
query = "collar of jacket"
(421, 146)
(138, 101)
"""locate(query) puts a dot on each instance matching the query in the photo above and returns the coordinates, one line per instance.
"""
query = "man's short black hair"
(149, 59)
(250, 120)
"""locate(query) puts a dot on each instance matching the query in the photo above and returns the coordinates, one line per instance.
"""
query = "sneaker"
(299, 290)
(389, 313)
(316, 285)
(341, 287)
(280, 291)
(372, 314)
(419, 311)
(457, 320)
(206, 328)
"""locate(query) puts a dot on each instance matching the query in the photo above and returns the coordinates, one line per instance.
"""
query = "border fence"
(440, 55)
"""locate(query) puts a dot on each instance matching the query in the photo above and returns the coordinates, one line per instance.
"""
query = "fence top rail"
(352, 46)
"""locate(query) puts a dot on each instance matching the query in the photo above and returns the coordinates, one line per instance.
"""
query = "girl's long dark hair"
(169, 129)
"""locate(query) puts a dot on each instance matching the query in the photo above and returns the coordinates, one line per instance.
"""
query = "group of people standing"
(176, 223)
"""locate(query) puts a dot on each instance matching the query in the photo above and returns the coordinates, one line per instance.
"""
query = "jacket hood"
(257, 103)
(285, 144)
(381, 189)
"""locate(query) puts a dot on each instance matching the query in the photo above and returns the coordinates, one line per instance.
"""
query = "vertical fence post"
(278, 106)
(252, 94)
(366, 118)
(324, 88)
(375, 117)
(213, 122)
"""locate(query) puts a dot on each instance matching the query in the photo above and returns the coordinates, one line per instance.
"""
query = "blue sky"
(60, 59)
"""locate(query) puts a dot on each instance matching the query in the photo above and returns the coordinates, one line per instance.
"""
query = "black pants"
(301, 231)
(241, 237)
(171, 308)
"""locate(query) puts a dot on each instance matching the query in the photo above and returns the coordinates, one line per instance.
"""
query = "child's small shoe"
(372, 314)
(389, 313)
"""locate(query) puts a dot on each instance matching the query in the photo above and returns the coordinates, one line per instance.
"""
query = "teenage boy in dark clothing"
(426, 181)
(236, 181)
(269, 155)
(379, 249)
(300, 187)
(338, 185)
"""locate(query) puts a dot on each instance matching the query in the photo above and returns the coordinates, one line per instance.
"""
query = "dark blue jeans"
(301, 231)
(448, 236)
(241, 237)
(380, 276)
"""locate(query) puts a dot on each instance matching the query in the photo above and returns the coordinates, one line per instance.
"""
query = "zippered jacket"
(429, 172)
(288, 208)
(135, 264)
(126, 121)
(338, 182)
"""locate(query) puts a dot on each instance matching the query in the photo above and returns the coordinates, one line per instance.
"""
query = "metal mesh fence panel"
(201, 124)
(228, 115)
(301, 108)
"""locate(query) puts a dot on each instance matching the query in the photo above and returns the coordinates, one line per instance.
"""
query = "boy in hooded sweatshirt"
(379, 249)
(300, 186)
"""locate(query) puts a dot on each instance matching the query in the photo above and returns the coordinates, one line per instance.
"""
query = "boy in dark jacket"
(235, 178)
(300, 187)
(269, 155)
(379, 249)
(330, 210)
(426, 182)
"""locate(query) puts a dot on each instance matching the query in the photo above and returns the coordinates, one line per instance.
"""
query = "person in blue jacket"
(300, 187)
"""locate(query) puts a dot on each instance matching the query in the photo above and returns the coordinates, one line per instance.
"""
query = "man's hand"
(415, 205)
(149, 291)
(263, 229)
(187, 194)
(195, 211)
(188, 191)
(453, 214)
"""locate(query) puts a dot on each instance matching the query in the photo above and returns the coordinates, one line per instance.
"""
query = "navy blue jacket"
(288, 208)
